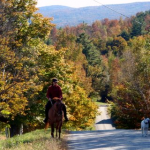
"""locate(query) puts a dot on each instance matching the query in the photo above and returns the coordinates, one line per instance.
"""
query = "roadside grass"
(101, 103)
(97, 102)
(35, 140)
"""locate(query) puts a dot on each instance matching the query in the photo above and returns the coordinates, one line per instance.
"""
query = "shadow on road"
(108, 140)
(106, 121)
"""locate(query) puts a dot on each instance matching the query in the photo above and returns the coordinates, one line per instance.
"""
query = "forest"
(108, 61)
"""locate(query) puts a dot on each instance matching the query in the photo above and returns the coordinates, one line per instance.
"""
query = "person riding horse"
(54, 91)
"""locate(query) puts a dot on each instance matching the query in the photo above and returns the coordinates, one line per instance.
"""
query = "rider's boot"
(65, 114)
(46, 116)
(47, 107)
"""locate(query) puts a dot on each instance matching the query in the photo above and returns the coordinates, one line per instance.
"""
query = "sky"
(84, 3)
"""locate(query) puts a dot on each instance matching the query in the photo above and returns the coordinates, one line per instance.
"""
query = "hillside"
(36, 140)
(72, 16)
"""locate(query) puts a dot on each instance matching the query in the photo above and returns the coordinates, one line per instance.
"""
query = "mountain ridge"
(68, 16)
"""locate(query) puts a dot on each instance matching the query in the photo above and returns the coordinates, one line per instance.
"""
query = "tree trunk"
(16, 130)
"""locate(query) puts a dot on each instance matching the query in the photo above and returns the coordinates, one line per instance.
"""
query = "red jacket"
(54, 91)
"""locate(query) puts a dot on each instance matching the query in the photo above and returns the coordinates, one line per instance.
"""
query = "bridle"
(58, 112)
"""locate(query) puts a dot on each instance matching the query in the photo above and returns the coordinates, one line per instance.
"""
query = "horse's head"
(58, 106)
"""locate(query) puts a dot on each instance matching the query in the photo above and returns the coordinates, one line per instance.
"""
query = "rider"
(54, 91)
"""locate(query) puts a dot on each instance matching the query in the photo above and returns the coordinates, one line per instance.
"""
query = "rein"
(57, 111)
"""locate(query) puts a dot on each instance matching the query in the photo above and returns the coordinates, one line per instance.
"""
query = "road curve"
(103, 121)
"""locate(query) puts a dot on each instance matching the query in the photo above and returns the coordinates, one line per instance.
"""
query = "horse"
(55, 117)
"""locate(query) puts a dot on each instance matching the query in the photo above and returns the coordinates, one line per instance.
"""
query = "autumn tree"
(75, 84)
(131, 92)
(74, 95)
(118, 45)
(28, 64)
(19, 34)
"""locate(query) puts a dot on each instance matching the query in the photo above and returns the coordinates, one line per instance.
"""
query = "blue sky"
(83, 3)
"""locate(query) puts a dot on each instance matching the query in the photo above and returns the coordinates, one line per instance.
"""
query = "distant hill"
(64, 15)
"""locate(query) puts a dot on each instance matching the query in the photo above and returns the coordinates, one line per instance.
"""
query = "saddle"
(56, 98)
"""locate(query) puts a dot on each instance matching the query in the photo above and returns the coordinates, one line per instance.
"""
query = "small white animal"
(145, 126)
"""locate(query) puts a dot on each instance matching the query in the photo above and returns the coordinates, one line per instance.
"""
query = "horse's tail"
(46, 125)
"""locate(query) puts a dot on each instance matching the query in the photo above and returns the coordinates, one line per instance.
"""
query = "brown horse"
(55, 117)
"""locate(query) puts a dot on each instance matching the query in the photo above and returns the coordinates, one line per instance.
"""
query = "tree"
(90, 51)
(74, 96)
(138, 25)
(118, 44)
(125, 35)
(19, 34)
(131, 92)
(93, 68)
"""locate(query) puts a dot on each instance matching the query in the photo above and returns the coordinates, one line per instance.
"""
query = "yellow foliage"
(81, 109)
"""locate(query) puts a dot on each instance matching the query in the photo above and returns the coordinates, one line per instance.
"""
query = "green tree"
(93, 68)
(138, 25)
(124, 34)
(90, 51)
(118, 45)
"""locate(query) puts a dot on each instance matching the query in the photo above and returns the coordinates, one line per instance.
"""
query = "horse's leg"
(56, 130)
(60, 125)
(52, 130)
(59, 131)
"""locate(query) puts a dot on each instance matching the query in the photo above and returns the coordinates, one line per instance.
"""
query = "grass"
(98, 103)
(101, 103)
(35, 140)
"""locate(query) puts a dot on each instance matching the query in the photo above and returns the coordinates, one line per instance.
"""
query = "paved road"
(103, 121)
(106, 137)
(108, 140)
